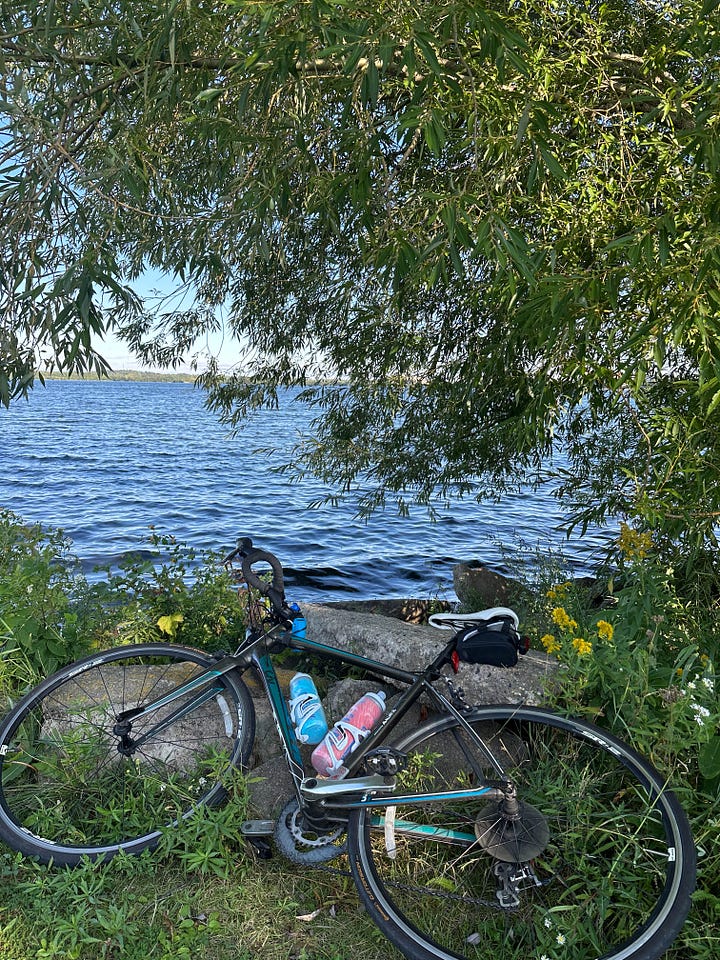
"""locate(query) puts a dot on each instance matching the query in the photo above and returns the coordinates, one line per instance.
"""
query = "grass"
(151, 907)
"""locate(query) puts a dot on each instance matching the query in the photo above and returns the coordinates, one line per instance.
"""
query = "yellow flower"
(559, 591)
(633, 544)
(563, 620)
(550, 643)
(605, 630)
(583, 647)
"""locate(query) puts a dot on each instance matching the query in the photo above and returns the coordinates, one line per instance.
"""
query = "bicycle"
(501, 830)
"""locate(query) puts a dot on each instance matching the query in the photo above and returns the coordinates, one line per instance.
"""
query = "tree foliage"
(496, 224)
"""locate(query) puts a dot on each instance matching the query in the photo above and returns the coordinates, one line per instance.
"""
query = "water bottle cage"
(299, 706)
(308, 717)
(337, 737)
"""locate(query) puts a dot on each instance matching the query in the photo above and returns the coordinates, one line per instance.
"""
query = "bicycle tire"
(617, 867)
(68, 792)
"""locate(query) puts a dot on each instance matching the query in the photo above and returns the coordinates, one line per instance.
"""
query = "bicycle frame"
(333, 799)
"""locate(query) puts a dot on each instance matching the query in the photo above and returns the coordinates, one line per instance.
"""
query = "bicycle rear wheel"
(71, 787)
(600, 862)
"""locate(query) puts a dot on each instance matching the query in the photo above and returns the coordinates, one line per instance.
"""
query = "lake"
(106, 460)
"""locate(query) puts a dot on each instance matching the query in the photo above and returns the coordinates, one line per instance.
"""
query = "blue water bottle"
(306, 711)
(299, 624)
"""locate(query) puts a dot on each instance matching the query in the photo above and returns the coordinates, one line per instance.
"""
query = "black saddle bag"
(495, 642)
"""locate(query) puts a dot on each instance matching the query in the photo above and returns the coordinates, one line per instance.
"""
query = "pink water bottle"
(327, 758)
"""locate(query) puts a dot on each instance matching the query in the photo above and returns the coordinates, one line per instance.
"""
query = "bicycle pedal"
(257, 828)
(260, 847)
(385, 761)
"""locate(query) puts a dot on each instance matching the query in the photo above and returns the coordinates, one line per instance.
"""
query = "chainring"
(301, 844)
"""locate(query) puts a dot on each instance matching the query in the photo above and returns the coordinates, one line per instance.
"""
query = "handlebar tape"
(251, 555)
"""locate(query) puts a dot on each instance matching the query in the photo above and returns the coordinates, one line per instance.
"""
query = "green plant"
(646, 664)
(208, 842)
(175, 595)
(43, 596)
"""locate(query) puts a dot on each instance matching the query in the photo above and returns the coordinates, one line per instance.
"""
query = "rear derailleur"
(511, 879)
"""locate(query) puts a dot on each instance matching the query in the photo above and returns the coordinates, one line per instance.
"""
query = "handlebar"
(249, 555)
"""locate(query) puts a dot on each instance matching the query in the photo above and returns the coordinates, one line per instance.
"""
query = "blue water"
(105, 461)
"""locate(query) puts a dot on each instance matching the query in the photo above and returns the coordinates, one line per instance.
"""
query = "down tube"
(266, 672)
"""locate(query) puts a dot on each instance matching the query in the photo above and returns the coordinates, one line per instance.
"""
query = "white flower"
(700, 711)
(560, 939)
(692, 685)
(707, 682)
(548, 923)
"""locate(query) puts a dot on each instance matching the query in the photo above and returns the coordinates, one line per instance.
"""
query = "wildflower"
(605, 630)
(562, 618)
(692, 685)
(634, 545)
(700, 711)
(548, 923)
(559, 591)
(560, 939)
(550, 643)
(582, 646)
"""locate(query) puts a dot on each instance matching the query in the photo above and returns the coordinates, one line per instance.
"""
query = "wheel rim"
(72, 781)
(607, 881)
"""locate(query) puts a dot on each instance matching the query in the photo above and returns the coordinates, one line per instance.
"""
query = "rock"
(270, 787)
(344, 693)
(477, 586)
(412, 647)
(410, 611)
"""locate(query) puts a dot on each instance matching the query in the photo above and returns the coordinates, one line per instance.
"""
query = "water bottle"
(347, 733)
(306, 711)
(299, 624)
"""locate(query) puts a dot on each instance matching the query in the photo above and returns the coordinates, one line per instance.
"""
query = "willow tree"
(495, 225)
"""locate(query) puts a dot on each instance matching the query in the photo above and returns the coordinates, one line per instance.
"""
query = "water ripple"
(106, 461)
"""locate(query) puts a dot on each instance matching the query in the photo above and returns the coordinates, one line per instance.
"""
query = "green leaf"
(709, 758)
(424, 42)
(553, 165)
(169, 624)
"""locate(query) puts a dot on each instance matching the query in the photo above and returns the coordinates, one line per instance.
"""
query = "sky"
(168, 294)
(118, 355)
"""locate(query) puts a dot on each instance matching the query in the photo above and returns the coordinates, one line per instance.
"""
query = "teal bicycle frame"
(326, 799)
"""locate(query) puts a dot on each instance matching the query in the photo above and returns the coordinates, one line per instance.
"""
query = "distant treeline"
(145, 376)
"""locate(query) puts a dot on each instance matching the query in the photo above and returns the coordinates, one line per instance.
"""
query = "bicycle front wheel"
(597, 861)
(74, 784)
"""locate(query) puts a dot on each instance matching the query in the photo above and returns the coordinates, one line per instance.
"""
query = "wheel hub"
(126, 744)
